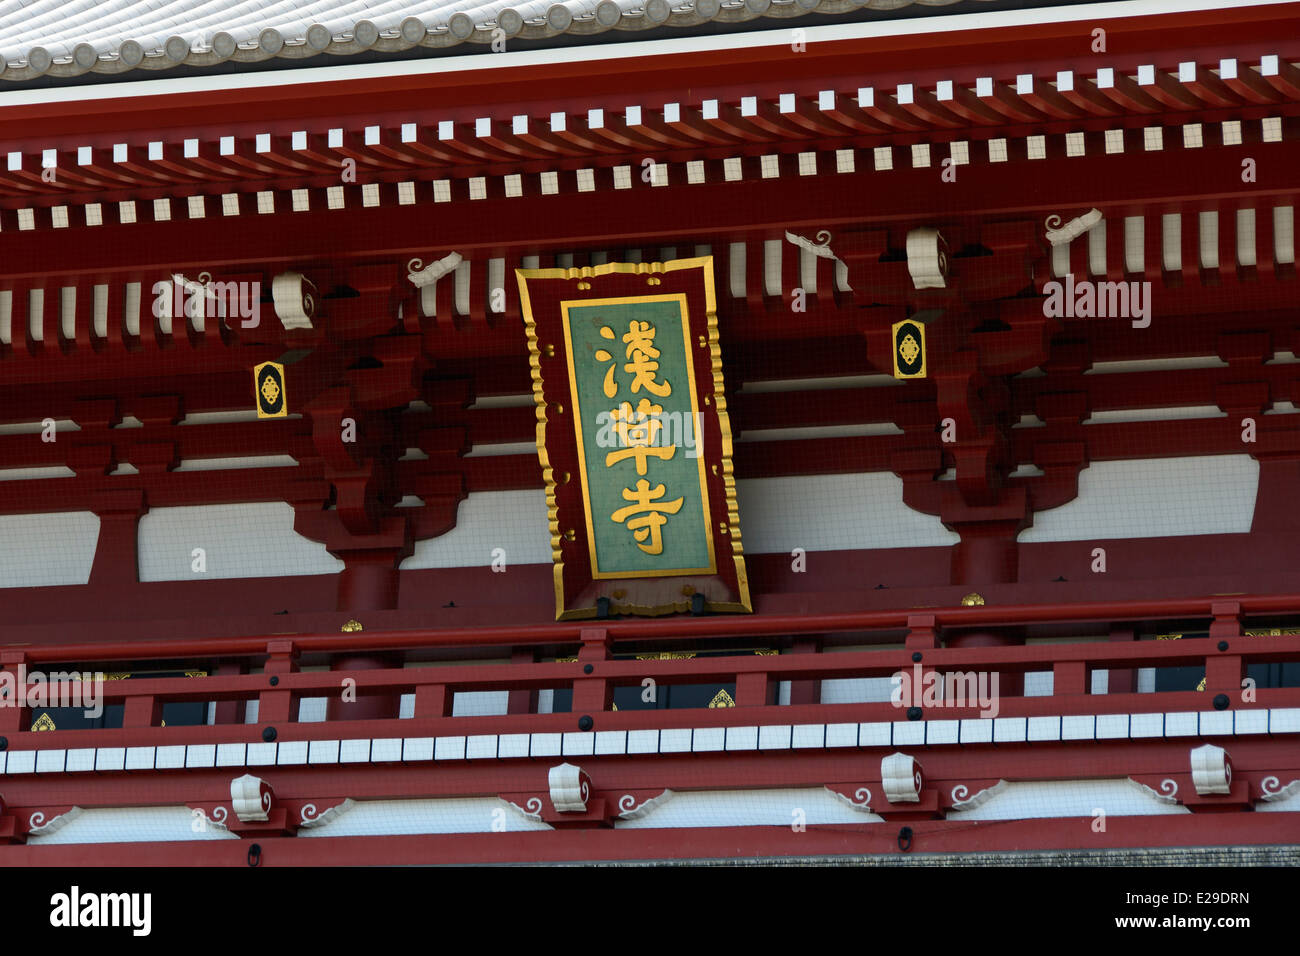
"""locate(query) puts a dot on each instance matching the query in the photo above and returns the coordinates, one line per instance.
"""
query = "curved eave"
(113, 40)
(1002, 44)
(227, 36)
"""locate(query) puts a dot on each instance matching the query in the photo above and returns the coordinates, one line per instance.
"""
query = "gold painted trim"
(704, 264)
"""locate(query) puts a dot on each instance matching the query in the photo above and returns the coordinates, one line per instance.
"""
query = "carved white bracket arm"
(425, 278)
(820, 248)
(1059, 235)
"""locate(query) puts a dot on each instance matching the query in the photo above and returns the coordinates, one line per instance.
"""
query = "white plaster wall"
(240, 541)
(833, 513)
(741, 808)
(1155, 497)
(816, 513)
(47, 549)
(463, 815)
(1068, 798)
(514, 521)
(131, 825)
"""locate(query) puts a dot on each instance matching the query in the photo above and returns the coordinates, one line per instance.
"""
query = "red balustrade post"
(593, 693)
(922, 632)
(14, 715)
(1223, 674)
(230, 711)
(1122, 680)
(522, 701)
(1227, 620)
(1224, 671)
(922, 636)
(1069, 678)
(433, 700)
(143, 711)
(276, 705)
(805, 691)
(753, 690)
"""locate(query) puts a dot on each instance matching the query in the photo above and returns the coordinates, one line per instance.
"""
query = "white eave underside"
(66, 39)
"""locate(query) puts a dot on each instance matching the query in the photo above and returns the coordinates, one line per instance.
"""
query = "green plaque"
(638, 423)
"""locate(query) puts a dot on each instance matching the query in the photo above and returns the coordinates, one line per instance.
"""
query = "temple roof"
(60, 39)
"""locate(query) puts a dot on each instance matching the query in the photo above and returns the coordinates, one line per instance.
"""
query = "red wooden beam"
(693, 843)
(683, 628)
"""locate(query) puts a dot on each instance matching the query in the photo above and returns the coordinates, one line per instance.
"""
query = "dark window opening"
(176, 714)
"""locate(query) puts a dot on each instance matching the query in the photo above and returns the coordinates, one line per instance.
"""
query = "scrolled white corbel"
(295, 299)
(901, 777)
(570, 788)
(1059, 235)
(251, 798)
(927, 259)
(1211, 770)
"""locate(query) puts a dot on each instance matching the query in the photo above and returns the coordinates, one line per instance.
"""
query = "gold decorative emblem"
(972, 600)
(909, 350)
(722, 699)
(43, 722)
(351, 626)
(270, 391)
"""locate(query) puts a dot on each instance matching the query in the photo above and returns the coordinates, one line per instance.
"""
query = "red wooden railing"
(677, 628)
(1224, 657)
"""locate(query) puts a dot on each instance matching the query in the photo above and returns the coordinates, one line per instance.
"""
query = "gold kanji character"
(638, 431)
(611, 387)
(641, 355)
(650, 524)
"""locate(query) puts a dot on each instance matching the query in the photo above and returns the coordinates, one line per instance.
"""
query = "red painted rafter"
(1120, 184)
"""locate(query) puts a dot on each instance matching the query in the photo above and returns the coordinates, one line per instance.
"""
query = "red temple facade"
(1003, 325)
